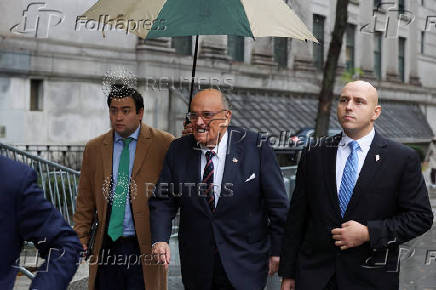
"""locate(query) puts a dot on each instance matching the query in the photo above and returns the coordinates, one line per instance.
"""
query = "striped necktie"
(208, 179)
(349, 177)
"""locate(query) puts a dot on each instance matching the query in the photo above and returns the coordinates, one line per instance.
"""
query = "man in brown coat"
(117, 168)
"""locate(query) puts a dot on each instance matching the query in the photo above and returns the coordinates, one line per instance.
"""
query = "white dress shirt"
(219, 161)
(344, 150)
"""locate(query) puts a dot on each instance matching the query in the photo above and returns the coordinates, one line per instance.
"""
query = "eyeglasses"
(205, 115)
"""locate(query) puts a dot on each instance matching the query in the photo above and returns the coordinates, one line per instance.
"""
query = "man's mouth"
(201, 130)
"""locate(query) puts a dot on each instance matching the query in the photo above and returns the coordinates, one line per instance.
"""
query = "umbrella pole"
(194, 65)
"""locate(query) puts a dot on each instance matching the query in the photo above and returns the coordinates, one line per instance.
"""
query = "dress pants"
(332, 285)
(220, 280)
(120, 267)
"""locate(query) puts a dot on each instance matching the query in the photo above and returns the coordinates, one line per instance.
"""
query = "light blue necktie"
(349, 177)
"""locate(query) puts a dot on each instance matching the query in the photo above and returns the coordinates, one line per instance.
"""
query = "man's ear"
(140, 113)
(229, 116)
(377, 113)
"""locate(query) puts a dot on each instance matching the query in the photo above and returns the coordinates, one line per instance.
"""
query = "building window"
(182, 45)
(235, 47)
(36, 94)
(350, 47)
(377, 3)
(318, 32)
(422, 42)
(280, 46)
(401, 53)
(401, 6)
(377, 55)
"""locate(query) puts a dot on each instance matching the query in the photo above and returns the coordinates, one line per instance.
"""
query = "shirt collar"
(220, 150)
(364, 142)
(134, 135)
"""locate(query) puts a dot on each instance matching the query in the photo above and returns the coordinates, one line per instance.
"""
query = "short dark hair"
(119, 91)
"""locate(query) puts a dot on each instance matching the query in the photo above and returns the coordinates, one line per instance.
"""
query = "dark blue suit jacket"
(247, 226)
(25, 215)
(390, 198)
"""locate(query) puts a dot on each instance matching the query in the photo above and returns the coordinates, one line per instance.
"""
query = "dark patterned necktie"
(208, 179)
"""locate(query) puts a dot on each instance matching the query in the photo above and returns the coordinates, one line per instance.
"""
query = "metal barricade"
(59, 183)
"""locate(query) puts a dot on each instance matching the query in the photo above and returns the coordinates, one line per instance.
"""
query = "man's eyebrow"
(123, 107)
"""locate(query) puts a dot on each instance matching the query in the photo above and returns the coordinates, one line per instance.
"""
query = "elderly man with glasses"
(229, 189)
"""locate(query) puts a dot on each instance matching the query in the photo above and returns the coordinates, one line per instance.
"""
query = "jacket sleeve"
(276, 199)
(295, 223)
(55, 240)
(163, 204)
(85, 202)
(414, 216)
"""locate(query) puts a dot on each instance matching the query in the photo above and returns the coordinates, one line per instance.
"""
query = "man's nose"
(199, 121)
(349, 106)
(119, 115)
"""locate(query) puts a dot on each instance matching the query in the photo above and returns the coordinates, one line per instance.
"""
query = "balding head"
(371, 92)
(212, 105)
(358, 108)
(211, 95)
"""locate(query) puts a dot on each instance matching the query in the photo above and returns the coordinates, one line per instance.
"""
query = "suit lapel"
(329, 151)
(107, 154)
(233, 157)
(370, 168)
(142, 148)
(193, 161)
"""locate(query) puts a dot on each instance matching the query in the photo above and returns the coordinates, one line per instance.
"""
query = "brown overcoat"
(94, 184)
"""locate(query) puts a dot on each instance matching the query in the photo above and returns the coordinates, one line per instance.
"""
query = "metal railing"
(69, 156)
(58, 182)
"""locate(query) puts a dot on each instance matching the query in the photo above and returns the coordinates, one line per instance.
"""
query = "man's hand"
(273, 265)
(85, 247)
(162, 251)
(351, 234)
(288, 284)
(187, 129)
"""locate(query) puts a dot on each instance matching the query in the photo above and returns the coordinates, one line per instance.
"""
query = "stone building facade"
(51, 73)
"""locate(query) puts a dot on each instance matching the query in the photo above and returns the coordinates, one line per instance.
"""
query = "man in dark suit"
(229, 188)
(357, 198)
(25, 215)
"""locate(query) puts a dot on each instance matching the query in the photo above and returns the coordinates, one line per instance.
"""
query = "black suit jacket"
(247, 226)
(390, 197)
(25, 215)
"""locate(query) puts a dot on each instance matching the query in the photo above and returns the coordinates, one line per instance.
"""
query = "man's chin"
(123, 133)
(200, 139)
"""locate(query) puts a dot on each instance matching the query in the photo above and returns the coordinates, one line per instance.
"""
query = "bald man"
(358, 196)
(233, 204)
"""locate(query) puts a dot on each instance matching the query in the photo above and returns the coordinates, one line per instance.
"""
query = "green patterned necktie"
(115, 229)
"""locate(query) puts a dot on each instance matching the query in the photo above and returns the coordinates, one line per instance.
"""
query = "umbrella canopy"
(172, 18)
(168, 18)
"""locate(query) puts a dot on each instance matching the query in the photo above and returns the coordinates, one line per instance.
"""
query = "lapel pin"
(235, 160)
(377, 158)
